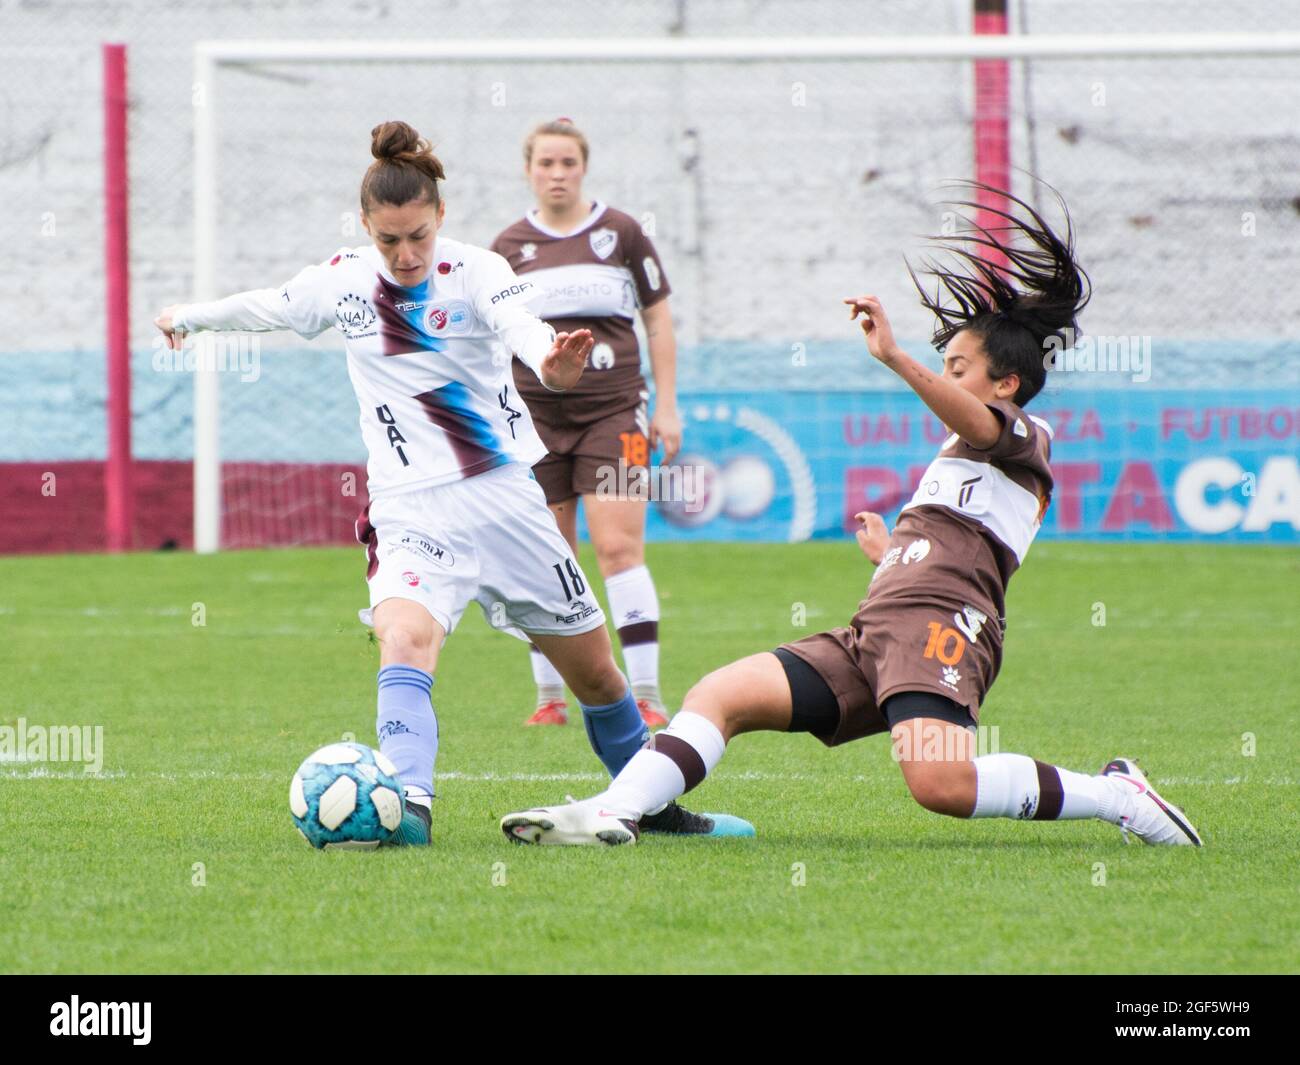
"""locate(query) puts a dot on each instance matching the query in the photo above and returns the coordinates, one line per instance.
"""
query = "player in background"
(454, 512)
(597, 268)
(918, 658)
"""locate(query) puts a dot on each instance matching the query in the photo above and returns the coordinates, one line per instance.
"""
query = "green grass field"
(181, 856)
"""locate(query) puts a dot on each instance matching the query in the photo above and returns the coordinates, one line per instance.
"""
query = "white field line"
(42, 772)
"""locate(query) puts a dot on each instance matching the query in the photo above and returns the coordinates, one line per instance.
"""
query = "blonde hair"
(560, 127)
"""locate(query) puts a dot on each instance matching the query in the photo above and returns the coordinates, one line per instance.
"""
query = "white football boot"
(578, 824)
(1144, 813)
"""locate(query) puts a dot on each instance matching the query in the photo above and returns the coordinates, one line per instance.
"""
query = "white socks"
(676, 760)
(634, 605)
(1014, 785)
(550, 685)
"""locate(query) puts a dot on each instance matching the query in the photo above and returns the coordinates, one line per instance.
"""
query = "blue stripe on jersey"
(471, 436)
(402, 322)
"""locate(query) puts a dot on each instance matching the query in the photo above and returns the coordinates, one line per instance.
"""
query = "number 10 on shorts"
(945, 644)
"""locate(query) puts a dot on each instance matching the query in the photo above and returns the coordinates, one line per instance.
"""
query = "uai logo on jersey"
(445, 319)
(354, 316)
(603, 242)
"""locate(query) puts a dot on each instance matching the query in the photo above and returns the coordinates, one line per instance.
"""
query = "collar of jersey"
(419, 290)
(597, 209)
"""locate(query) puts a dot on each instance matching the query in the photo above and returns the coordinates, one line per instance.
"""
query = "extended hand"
(666, 429)
(175, 337)
(563, 365)
(875, 326)
(873, 537)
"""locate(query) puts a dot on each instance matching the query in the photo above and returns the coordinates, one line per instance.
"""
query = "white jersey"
(432, 379)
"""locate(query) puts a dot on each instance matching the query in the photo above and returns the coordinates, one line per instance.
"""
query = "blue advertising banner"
(1130, 464)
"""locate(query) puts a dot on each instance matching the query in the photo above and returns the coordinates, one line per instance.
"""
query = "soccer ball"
(346, 795)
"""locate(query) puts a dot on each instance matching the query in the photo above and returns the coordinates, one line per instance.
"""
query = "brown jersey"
(596, 278)
(970, 522)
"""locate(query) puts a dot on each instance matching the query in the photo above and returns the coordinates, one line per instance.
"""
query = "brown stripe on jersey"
(1051, 796)
(639, 632)
(462, 426)
(683, 755)
(400, 336)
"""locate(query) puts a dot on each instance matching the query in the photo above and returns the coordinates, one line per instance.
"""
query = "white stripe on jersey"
(984, 493)
(584, 290)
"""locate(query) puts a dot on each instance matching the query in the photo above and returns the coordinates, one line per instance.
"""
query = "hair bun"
(396, 140)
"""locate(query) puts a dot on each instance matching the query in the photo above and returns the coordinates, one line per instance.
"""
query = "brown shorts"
(588, 437)
(893, 648)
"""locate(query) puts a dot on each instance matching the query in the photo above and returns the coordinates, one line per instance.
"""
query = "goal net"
(775, 178)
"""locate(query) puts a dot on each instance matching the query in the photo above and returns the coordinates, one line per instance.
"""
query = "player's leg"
(935, 742)
(417, 592)
(555, 475)
(531, 582)
(586, 662)
(611, 465)
(617, 528)
(749, 695)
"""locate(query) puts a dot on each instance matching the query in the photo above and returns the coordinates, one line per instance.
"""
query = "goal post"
(578, 59)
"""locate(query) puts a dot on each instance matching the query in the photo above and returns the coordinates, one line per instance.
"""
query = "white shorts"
(490, 538)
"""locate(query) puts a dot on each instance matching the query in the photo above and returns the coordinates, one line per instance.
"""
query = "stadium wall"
(1164, 243)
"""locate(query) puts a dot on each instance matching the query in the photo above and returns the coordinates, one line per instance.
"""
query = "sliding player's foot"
(653, 714)
(414, 830)
(551, 712)
(577, 824)
(675, 820)
(1144, 812)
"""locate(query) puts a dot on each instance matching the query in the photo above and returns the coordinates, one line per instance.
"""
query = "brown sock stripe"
(641, 632)
(683, 755)
(1051, 796)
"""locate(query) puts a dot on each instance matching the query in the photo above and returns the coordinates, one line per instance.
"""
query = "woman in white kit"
(454, 513)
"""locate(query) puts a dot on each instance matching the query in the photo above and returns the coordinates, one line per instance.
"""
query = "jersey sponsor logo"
(580, 610)
(603, 241)
(528, 252)
(448, 318)
(916, 551)
(395, 437)
(446, 268)
(412, 578)
(967, 490)
(354, 316)
(425, 548)
(949, 677)
(513, 290)
(340, 257)
(652, 275)
(512, 415)
(602, 356)
(1020, 429)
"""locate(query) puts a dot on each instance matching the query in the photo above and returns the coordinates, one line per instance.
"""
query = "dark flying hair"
(1013, 308)
(404, 169)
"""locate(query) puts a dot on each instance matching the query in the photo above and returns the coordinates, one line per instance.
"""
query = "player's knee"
(708, 698)
(623, 554)
(940, 787)
(405, 642)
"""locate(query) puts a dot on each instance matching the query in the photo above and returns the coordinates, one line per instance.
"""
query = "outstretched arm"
(257, 311)
(960, 411)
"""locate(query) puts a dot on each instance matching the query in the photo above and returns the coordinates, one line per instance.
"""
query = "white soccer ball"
(346, 796)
